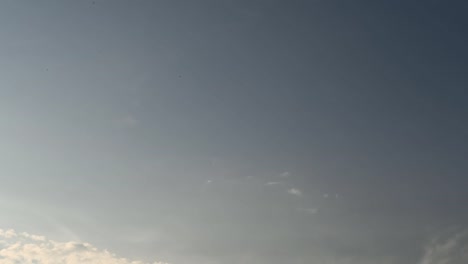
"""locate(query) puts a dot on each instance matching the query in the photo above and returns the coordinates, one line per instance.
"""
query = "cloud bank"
(32, 249)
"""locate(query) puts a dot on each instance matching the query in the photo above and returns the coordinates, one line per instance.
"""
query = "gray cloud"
(447, 250)
(127, 121)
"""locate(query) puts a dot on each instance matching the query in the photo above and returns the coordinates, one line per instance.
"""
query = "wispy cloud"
(295, 191)
(308, 210)
(285, 174)
(449, 250)
(28, 249)
(272, 183)
(127, 121)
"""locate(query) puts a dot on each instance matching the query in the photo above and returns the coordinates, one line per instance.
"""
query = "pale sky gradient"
(235, 131)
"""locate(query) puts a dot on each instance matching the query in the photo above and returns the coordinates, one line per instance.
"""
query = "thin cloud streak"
(308, 210)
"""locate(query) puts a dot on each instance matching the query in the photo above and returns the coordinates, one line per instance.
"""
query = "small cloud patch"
(295, 191)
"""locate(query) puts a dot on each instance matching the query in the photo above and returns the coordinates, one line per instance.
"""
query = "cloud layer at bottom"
(26, 248)
(452, 249)
(32, 249)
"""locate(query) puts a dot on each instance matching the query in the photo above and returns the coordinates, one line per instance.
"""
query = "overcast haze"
(224, 131)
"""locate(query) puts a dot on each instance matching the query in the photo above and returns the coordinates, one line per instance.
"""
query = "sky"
(233, 131)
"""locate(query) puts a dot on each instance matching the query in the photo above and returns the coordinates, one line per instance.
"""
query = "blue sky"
(236, 131)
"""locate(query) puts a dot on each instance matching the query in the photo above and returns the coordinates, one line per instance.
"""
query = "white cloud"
(295, 191)
(272, 183)
(451, 250)
(285, 174)
(28, 249)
